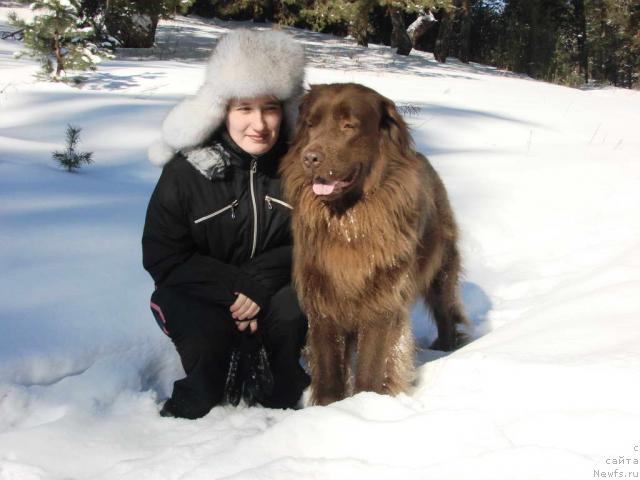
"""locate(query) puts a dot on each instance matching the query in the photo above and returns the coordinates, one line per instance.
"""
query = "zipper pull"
(254, 165)
(233, 209)
(268, 199)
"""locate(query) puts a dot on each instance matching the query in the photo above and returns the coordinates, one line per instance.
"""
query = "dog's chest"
(352, 260)
(350, 230)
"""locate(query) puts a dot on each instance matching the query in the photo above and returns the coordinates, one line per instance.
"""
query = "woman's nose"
(257, 121)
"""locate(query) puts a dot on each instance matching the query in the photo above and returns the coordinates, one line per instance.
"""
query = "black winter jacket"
(230, 233)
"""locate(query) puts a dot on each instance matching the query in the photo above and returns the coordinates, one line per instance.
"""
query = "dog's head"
(346, 136)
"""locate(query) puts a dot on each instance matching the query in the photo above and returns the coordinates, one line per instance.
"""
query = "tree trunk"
(581, 27)
(465, 32)
(531, 39)
(359, 28)
(263, 11)
(58, 50)
(399, 37)
(134, 31)
(602, 54)
(441, 49)
(420, 26)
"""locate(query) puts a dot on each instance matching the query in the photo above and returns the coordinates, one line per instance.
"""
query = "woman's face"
(254, 123)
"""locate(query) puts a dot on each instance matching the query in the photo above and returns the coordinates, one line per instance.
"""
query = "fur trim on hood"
(244, 64)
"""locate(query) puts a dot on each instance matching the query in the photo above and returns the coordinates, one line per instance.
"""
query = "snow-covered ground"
(545, 182)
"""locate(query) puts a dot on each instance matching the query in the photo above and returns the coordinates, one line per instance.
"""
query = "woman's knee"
(181, 315)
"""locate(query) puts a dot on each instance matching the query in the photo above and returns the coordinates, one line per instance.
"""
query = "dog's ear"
(394, 127)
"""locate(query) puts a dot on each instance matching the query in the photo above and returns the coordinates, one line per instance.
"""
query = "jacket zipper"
(254, 167)
(270, 199)
(231, 206)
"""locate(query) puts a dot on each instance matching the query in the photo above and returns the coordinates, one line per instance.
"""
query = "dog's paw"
(450, 343)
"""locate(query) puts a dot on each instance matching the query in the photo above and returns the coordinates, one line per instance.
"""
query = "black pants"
(203, 333)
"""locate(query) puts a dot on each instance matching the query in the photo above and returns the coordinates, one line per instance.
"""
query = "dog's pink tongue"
(324, 188)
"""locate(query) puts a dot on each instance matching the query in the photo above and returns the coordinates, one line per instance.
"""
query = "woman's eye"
(348, 126)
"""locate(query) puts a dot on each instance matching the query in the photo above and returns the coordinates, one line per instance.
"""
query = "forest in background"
(571, 42)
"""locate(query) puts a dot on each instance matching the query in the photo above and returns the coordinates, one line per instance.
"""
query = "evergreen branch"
(17, 34)
(86, 157)
(59, 156)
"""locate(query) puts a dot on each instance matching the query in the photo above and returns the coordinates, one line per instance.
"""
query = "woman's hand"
(244, 311)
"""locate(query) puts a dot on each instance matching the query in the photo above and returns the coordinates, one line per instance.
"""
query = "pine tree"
(133, 22)
(614, 41)
(70, 158)
(338, 16)
(55, 37)
(443, 42)
(580, 28)
(420, 11)
(399, 37)
(362, 18)
(487, 32)
(465, 31)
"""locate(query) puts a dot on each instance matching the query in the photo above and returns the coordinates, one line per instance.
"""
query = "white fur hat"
(244, 64)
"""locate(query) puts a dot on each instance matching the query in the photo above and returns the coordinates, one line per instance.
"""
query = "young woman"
(216, 238)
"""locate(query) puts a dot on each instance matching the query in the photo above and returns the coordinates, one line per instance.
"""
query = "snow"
(545, 183)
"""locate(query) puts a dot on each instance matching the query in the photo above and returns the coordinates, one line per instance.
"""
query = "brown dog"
(372, 229)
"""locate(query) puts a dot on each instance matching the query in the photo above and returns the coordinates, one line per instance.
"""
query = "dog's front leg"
(326, 355)
(385, 356)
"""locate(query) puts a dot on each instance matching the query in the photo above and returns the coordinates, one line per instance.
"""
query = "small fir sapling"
(70, 158)
(60, 38)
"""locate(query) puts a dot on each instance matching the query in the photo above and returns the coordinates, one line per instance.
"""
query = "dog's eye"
(348, 126)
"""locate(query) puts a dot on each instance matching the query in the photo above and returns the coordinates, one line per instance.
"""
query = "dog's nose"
(312, 159)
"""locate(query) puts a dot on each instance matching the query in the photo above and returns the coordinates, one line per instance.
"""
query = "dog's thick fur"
(365, 251)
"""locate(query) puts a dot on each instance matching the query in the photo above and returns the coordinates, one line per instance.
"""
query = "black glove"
(249, 376)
